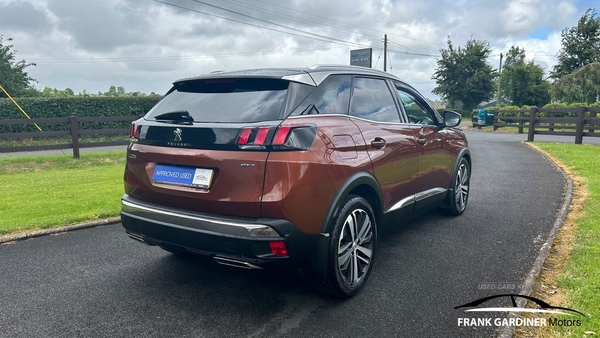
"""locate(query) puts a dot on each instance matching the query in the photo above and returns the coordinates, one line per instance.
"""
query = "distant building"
(503, 102)
(437, 104)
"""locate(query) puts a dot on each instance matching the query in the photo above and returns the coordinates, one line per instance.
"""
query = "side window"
(330, 97)
(372, 100)
(415, 111)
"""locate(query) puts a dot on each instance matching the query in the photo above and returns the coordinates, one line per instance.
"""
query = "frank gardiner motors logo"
(573, 317)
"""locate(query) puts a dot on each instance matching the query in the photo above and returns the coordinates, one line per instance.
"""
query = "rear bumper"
(218, 236)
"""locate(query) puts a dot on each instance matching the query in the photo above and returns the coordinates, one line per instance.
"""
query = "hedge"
(543, 114)
(74, 106)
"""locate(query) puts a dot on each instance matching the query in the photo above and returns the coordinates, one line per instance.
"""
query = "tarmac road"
(99, 283)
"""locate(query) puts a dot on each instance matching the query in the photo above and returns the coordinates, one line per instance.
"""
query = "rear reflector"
(278, 248)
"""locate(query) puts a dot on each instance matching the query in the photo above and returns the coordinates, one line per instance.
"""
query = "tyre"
(351, 249)
(461, 182)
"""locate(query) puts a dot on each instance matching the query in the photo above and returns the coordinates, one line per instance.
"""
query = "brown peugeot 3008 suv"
(293, 167)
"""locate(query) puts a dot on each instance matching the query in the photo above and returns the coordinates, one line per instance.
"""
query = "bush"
(74, 106)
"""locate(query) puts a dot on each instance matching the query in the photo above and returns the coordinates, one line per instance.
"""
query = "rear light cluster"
(282, 137)
(134, 131)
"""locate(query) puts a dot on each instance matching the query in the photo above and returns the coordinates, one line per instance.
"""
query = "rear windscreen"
(225, 100)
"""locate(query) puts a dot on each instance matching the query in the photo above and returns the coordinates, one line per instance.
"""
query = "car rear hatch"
(204, 146)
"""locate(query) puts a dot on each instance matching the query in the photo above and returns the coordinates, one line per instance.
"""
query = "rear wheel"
(351, 249)
(461, 185)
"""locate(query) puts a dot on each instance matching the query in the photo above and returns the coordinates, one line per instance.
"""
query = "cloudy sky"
(144, 45)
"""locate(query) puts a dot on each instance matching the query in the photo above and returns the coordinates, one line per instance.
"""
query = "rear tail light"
(244, 136)
(284, 137)
(261, 136)
(134, 131)
(278, 248)
(281, 135)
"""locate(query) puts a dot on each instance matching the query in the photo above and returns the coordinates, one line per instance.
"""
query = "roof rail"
(317, 66)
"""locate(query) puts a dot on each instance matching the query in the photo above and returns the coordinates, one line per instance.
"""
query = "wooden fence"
(578, 122)
(73, 131)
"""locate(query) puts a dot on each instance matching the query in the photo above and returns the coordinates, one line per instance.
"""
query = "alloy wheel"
(355, 247)
(461, 187)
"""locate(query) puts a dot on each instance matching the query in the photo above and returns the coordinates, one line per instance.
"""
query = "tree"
(463, 74)
(583, 85)
(53, 92)
(523, 82)
(112, 91)
(580, 45)
(13, 77)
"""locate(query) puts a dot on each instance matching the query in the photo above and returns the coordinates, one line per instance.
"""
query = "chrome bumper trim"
(188, 221)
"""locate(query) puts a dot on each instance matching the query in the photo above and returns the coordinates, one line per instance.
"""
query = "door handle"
(378, 142)
(422, 141)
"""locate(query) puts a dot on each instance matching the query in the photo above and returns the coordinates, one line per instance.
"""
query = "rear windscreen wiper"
(177, 117)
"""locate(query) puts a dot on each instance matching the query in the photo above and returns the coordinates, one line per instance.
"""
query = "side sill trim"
(429, 193)
(416, 198)
(402, 203)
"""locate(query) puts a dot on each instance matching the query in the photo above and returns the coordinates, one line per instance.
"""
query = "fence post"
(74, 136)
(552, 123)
(592, 125)
(531, 131)
(580, 120)
(496, 119)
(521, 115)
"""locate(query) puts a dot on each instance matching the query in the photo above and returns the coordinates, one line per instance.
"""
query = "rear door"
(204, 146)
(391, 144)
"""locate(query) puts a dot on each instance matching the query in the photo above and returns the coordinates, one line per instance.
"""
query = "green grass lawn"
(48, 191)
(43, 141)
(580, 280)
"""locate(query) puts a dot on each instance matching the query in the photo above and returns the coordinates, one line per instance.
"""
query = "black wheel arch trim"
(355, 180)
(464, 152)
(317, 265)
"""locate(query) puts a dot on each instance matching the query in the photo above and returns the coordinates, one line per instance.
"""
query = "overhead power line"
(238, 21)
(318, 36)
(287, 17)
(178, 57)
(342, 22)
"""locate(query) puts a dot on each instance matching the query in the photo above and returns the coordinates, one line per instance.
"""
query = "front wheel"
(351, 249)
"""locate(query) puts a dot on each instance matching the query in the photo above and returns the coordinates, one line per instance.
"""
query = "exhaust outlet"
(235, 263)
(137, 237)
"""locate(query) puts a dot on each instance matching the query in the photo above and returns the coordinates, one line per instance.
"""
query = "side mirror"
(451, 118)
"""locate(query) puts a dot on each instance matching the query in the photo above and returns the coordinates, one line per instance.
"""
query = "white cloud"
(145, 45)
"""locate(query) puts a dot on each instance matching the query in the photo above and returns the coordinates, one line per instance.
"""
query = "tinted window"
(372, 100)
(226, 100)
(331, 97)
(416, 112)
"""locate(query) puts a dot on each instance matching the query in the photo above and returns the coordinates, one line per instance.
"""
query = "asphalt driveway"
(99, 283)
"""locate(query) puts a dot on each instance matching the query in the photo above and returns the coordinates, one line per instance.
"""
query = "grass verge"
(44, 141)
(570, 276)
(48, 191)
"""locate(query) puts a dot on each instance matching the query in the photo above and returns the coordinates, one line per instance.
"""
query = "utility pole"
(499, 75)
(385, 52)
